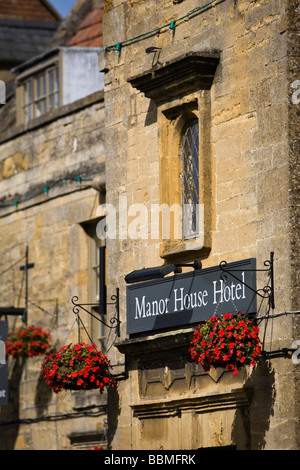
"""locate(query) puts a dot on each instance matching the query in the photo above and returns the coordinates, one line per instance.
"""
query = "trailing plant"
(27, 341)
(77, 367)
(226, 341)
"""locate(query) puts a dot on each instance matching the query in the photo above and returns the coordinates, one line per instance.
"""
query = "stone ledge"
(160, 341)
(233, 399)
(180, 76)
(53, 116)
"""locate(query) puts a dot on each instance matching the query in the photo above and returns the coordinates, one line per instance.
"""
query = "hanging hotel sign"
(3, 365)
(191, 297)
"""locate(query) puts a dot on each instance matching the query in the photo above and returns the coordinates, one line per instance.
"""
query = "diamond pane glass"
(190, 165)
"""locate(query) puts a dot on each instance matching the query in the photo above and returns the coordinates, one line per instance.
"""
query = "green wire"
(118, 47)
(46, 189)
(170, 25)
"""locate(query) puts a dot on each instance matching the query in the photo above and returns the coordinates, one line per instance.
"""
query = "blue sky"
(62, 6)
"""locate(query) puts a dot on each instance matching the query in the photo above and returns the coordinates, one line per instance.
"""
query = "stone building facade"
(51, 224)
(51, 182)
(232, 67)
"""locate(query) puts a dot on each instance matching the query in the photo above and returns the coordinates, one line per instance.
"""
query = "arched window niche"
(181, 92)
(185, 176)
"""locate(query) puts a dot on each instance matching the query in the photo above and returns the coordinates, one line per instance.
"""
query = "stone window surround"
(98, 329)
(181, 91)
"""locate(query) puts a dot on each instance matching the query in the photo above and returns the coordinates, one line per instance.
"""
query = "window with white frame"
(41, 93)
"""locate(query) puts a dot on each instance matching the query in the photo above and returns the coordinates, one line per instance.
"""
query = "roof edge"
(44, 55)
(52, 10)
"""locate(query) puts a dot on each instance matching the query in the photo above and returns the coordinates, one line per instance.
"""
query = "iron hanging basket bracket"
(268, 290)
(114, 321)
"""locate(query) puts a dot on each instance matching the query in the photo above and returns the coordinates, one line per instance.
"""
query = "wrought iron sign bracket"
(14, 311)
(114, 322)
(268, 290)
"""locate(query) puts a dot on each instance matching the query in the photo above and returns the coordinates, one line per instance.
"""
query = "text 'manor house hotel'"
(201, 113)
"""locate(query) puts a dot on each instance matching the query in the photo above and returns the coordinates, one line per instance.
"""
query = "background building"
(51, 182)
(26, 29)
(225, 73)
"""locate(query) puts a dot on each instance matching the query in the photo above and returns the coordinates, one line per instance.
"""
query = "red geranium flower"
(73, 368)
(234, 342)
(27, 341)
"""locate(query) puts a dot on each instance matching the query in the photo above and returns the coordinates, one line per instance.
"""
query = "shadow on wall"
(42, 397)
(113, 412)
(9, 415)
(255, 421)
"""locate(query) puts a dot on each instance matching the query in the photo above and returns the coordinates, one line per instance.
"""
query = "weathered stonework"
(250, 148)
(50, 153)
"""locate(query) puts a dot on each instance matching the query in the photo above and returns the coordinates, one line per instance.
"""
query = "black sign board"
(3, 365)
(191, 297)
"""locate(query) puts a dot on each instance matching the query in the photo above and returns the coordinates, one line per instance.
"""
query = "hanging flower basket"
(77, 367)
(27, 341)
(226, 341)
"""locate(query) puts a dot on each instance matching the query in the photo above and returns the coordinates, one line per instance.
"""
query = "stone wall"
(251, 142)
(42, 206)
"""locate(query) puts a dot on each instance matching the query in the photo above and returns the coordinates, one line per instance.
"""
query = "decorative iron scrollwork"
(114, 321)
(268, 290)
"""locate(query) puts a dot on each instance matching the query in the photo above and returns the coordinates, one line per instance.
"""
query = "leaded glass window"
(190, 177)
